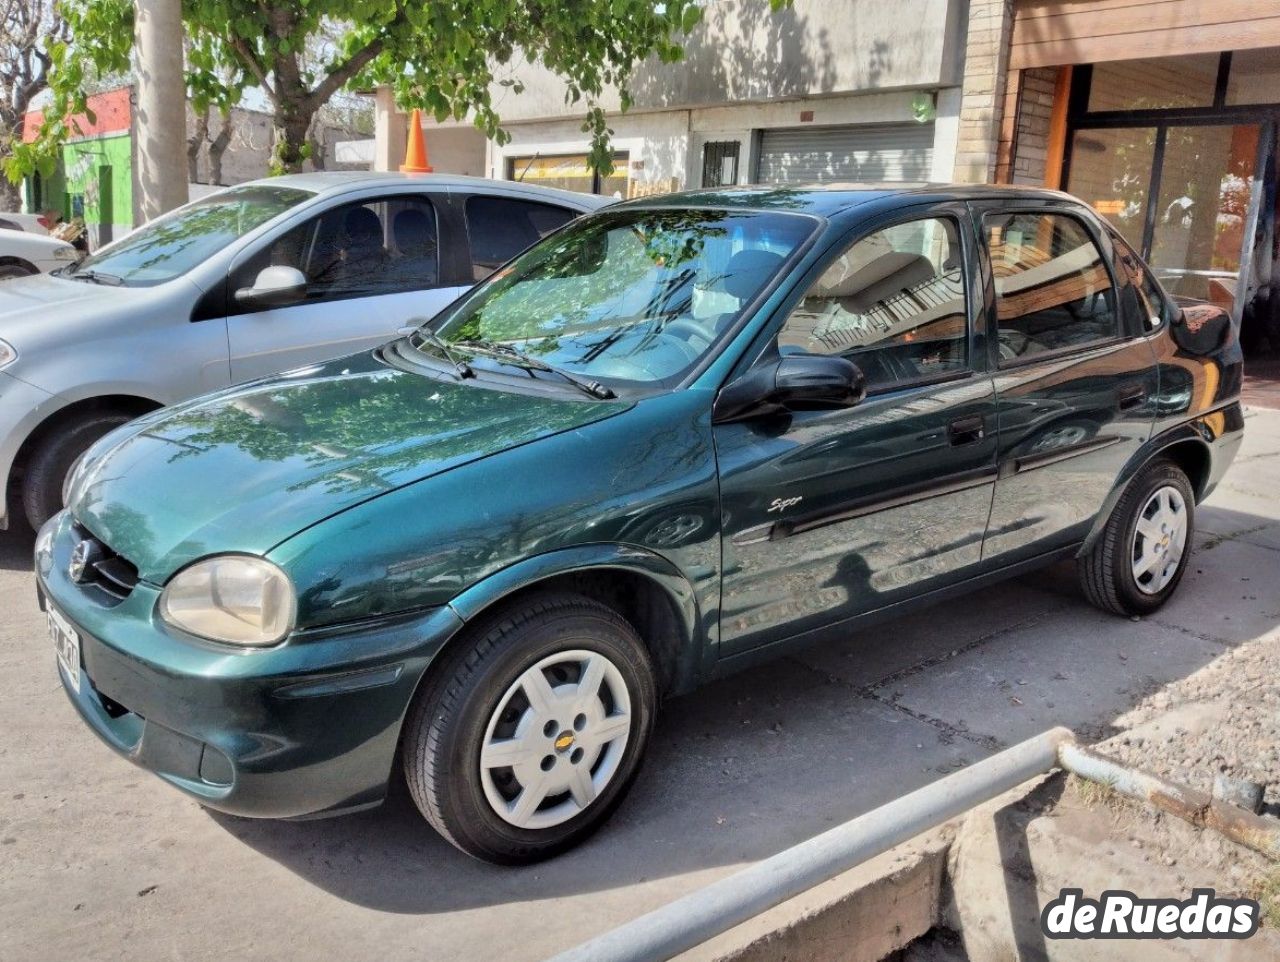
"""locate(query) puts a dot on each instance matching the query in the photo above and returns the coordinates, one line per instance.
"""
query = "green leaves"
(440, 56)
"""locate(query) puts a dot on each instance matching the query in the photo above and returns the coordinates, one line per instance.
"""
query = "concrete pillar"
(160, 118)
(390, 131)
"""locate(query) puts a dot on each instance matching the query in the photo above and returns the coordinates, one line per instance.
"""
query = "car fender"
(48, 406)
(578, 559)
(1203, 431)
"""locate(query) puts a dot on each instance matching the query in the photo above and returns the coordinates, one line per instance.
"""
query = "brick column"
(983, 99)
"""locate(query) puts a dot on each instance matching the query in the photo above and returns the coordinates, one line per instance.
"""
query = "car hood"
(247, 468)
(41, 301)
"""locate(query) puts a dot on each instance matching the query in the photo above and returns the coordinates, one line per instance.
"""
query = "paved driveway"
(100, 860)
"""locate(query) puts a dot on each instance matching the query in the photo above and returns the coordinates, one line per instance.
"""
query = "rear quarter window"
(499, 228)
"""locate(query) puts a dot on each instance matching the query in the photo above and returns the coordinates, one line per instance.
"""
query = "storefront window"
(1154, 83)
(1254, 77)
(1111, 170)
(1200, 218)
(570, 172)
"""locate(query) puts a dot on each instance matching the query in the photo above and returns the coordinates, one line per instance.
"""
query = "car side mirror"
(791, 382)
(1201, 329)
(274, 286)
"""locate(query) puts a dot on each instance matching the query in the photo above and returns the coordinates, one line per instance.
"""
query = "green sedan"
(676, 437)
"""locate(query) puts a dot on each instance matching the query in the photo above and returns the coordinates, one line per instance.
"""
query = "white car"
(250, 281)
(23, 253)
(31, 223)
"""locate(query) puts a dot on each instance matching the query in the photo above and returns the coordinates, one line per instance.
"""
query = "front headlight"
(237, 599)
(66, 254)
(7, 354)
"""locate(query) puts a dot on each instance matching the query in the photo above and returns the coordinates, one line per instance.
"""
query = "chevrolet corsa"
(675, 438)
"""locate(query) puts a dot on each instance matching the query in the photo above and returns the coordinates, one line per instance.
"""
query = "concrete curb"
(860, 916)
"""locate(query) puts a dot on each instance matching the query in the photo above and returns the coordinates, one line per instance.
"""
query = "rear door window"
(1053, 290)
(499, 228)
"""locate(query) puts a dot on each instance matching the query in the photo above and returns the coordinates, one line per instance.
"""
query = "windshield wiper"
(460, 367)
(510, 355)
(96, 277)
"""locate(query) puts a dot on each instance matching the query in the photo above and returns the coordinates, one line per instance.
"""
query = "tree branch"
(338, 77)
(251, 62)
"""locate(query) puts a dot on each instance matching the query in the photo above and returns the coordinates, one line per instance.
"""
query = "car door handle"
(967, 430)
(1131, 396)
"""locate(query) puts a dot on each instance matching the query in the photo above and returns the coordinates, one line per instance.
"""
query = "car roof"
(330, 182)
(826, 199)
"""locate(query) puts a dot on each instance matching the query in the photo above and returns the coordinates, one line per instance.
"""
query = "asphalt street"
(99, 859)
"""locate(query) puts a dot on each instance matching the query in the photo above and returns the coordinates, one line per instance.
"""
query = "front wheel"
(1136, 564)
(525, 740)
(53, 457)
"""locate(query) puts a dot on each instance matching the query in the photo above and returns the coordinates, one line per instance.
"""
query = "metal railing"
(689, 921)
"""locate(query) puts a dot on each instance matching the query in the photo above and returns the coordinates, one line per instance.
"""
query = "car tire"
(486, 693)
(53, 457)
(9, 271)
(1137, 562)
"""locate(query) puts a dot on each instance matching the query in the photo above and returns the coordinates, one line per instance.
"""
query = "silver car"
(246, 282)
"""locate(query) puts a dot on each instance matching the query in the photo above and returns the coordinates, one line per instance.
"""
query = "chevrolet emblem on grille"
(83, 557)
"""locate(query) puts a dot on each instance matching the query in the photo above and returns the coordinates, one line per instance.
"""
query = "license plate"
(66, 642)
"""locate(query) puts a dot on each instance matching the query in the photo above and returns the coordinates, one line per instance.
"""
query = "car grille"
(109, 572)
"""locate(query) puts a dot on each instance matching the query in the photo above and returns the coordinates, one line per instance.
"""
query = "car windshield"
(170, 246)
(638, 295)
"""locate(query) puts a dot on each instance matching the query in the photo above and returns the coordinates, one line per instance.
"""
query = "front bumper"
(306, 728)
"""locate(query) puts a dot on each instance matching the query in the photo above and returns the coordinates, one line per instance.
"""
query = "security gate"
(887, 152)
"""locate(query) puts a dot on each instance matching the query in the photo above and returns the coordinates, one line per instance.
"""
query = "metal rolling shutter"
(889, 152)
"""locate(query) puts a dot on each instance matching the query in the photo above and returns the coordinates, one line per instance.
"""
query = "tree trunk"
(10, 196)
(160, 169)
(218, 147)
(315, 142)
(11, 124)
(290, 150)
(194, 143)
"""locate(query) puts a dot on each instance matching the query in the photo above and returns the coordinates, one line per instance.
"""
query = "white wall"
(659, 142)
(742, 51)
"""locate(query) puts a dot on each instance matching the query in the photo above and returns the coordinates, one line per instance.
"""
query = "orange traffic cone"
(415, 154)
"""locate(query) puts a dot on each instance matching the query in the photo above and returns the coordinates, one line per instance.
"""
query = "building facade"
(825, 90)
(93, 179)
(1162, 114)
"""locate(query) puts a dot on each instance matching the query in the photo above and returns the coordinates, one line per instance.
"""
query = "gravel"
(1224, 720)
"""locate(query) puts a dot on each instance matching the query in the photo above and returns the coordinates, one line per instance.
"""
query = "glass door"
(1200, 176)
(1197, 236)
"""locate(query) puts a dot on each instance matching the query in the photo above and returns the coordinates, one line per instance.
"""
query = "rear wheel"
(1137, 563)
(526, 739)
(53, 457)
